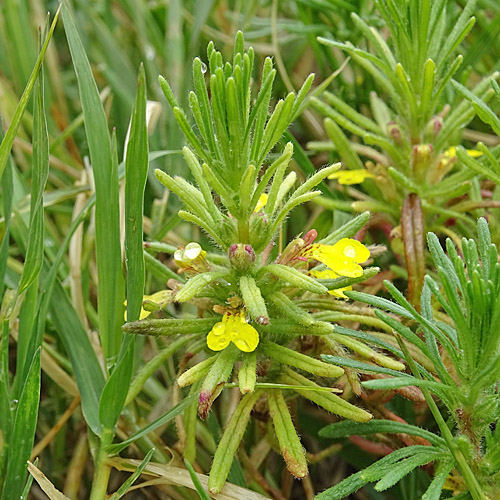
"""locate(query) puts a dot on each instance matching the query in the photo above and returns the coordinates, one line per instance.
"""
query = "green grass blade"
(21, 44)
(23, 433)
(167, 417)
(197, 485)
(7, 196)
(8, 140)
(86, 367)
(5, 414)
(136, 168)
(28, 341)
(130, 481)
(115, 391)
(40, 173)
(110, 290)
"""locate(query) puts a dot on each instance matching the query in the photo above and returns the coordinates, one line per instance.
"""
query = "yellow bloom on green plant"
(184, 256)
(261, 203)
(452, 152)
(343, 258)
(348, 177)
(152, 303)
(191, 258)
(328, 274)
(233, 328)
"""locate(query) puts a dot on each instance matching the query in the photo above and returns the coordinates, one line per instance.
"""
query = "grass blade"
(167, 417)
(28, 340)
(136, 170)
(23, 433)
(88, 372)
(130, 481)
(8, 140)
(110, 290)
(196, 482)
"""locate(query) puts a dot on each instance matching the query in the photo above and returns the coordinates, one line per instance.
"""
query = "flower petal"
(218, 338)
(349, 268)
(348, 177)
(352, 249)
(262, 202)
(247, 339)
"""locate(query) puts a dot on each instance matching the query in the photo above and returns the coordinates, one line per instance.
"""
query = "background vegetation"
(71, 237)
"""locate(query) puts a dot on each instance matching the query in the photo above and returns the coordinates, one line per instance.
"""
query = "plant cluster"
(248, 299)
(239, 283)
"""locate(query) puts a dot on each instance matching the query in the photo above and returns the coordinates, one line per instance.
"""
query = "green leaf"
(290, 445)
(294, 277)
(136, 170)
(359, 365)
(347, 230)
(34, 253)
(23, 433)
(403, 381)
(114, 393)
(109, 264)
(196, 482)
(328, 401)
(167, 417)
(122, 490)
(345, 429)
(7, 197)
(174, 326)
(379, 302)
(247, 374)
(435, 489)
(229, 442)
(477, 166)
(8, 140)
(482, 109)
(372, 473)
(301, 361)
(343, 489)
(28, 340)
(197, 283)
(88, 371)
(344, 281)
(401, 469)
(253, 300)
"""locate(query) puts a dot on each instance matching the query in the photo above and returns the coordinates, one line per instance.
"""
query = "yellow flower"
(351, 176)
(152, 302)
(184, 256)
(261, 203)
(191, 258)
(328, 274)
(343, 258)
(452, 152)
(233, 328)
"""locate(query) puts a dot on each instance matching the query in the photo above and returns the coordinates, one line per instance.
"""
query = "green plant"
(463, 347)
(257, 296)
(413, 178)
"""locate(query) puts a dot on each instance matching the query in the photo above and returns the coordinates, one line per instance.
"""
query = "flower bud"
(241, 256)
(395, 132)
(433, 128)
(423, 155)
